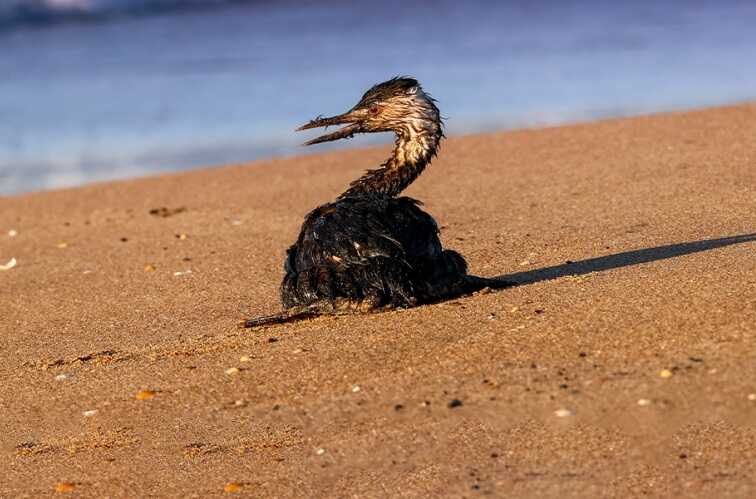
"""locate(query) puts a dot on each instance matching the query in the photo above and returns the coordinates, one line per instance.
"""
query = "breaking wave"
(15, 14)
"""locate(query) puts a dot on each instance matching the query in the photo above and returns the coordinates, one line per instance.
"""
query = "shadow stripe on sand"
(624, 259)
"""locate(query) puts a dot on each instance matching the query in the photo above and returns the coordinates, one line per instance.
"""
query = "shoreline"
(534, 125)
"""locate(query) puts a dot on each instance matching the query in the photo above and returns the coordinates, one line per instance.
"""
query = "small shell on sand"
(752, 396)
(12, 233)
(90, 413)
(644, 402)
(563, 413)
(665, 373)
(11, 263)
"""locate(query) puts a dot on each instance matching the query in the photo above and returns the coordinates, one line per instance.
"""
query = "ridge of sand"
(628, 371)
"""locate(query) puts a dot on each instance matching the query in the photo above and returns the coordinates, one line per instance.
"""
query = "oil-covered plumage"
(381, 250)
(371, 250)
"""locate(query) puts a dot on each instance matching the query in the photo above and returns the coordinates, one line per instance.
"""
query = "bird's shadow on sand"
(624, 259)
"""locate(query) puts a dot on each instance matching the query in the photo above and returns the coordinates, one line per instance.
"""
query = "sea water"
(101, 89)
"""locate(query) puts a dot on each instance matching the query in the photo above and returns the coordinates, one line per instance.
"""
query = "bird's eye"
(374, 110)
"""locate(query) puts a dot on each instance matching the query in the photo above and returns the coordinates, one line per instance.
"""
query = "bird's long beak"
(345, 132)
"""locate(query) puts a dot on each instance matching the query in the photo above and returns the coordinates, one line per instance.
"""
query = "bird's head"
(398, 105)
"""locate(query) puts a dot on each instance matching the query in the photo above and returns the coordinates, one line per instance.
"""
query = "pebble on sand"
(563, 413)
(62, 244)
(232, 370)
(356, 388)
(90, 413)
(320, 451)
(752, 396)
(12, 233)
(145, 394)
(61, 377)
(232, 487)
(665, 373)
(166, 212)
(62, 487)
(644, 402)
(245, 358)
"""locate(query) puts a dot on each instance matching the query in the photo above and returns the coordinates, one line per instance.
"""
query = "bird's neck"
(413, 151)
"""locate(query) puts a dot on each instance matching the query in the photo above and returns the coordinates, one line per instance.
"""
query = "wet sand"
(623, 364)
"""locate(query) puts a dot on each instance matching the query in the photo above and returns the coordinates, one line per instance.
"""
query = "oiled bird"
(370, 250)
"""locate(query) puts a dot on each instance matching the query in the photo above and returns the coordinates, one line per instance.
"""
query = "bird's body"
(369, 249)
(364, 253)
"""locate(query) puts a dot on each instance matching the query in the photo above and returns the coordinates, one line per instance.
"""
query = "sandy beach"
(622, 365)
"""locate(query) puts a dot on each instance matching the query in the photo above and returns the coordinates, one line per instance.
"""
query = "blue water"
(94, 90)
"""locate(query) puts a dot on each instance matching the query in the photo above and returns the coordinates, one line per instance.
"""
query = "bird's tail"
(473, 283)
(289, 315)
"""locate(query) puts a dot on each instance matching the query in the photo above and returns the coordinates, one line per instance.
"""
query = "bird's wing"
(348, 232)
